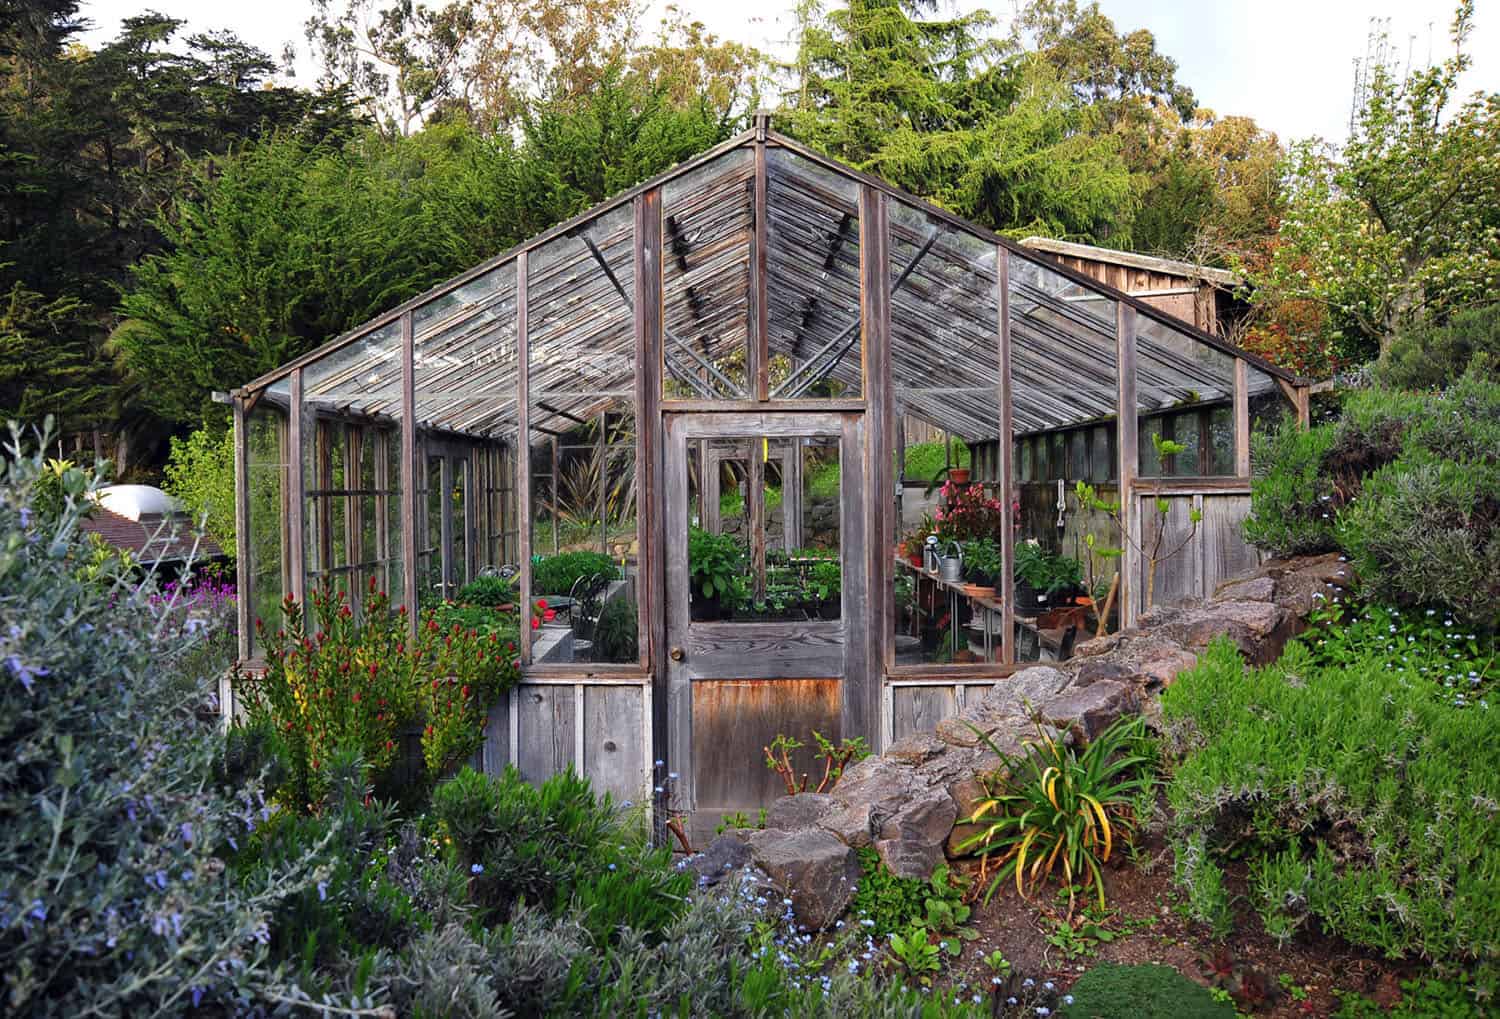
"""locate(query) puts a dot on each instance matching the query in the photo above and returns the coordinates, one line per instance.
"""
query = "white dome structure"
(138, 502)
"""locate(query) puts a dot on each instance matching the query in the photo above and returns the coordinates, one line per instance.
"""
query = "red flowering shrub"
(337, 683)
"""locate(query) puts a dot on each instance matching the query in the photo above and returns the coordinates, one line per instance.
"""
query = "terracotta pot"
(958, 475)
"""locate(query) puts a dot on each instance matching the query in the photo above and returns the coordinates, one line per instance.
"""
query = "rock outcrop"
(910, 803)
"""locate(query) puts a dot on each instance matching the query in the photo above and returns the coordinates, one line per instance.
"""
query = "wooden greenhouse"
(731, 351)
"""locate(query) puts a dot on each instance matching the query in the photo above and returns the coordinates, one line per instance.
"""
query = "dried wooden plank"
(614, 741)
(546, 730)
(735, 719)
(495, 754)
(920, 708)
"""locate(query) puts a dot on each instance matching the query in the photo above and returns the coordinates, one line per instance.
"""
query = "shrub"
(1290, 504)
(553, 843)
(1432, 355)
(1053, 807)
(114, 897)
(557, 574)
(615, 633)
(200, 474)
(715, 561)
(348, 684)
(1429, 534)
(925, 459)
(490, 592)
(1306, 477)
(1357, 797)
(1128, 992)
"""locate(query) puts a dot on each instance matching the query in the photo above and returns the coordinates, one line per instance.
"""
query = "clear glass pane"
(707, 224)
(267, 467)
(582, 375)
(1064, 384)
(1269, 408)
(812, 279)
(945, 324)
(1180, 381)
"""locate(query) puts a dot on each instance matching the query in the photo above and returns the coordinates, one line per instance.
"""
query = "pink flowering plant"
(970, 513)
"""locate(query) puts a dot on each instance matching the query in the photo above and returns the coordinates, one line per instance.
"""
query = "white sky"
(1287, 63)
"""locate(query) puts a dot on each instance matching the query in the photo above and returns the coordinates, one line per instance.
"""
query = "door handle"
(677, 654)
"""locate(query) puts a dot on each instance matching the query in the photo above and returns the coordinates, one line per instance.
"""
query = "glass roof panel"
(707, 223)
(812, 279)
(465, 356)
(945, 324)
(1063, 352)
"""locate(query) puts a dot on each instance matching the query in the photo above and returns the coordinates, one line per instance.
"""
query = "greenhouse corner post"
(296, 506)
(1129, 435)
(1006, 452)
(409, 471)
(523, 454)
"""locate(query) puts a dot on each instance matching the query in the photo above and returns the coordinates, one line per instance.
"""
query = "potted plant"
(982, 566)
(715, 562)
(1032, 577)
(825, 585)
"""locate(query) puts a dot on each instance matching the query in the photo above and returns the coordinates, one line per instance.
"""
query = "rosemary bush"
(114, 895)
(1358, 798)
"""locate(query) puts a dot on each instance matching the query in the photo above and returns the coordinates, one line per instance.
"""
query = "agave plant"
(1053, 806)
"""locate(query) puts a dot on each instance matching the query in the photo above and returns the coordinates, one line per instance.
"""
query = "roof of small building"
(166, 538)
(1134, 260)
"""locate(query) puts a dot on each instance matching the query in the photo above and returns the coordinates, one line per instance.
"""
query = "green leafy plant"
(825, 580)
(1390, 861)
(341, 683)
(835, 759)
(200, 474)
(1146, 990)
(491, 592)
(715, 563)
(916, 954)
(615, 632)
(982, 562)
(1421, 998)
(1431, 355)
(1055, 806)
(556, 574)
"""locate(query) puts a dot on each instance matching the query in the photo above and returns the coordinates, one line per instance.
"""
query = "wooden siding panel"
(547, 737)
(919, 708)
(614, 751)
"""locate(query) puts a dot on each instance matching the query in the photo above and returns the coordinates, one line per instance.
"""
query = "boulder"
(805, 810)
(1253, 588)
(911, 840)
(966, 793)
(724, 855)
(1161, 672)
(1096, 646)
(812, 868)
(916, 749)
(1090, 710)
(1095, 669)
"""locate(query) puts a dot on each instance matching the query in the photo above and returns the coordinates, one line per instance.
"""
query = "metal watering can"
(951, 563)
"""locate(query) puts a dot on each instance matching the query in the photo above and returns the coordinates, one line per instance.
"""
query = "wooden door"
(777, 666)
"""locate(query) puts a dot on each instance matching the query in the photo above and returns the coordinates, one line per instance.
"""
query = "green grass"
(926, 458)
